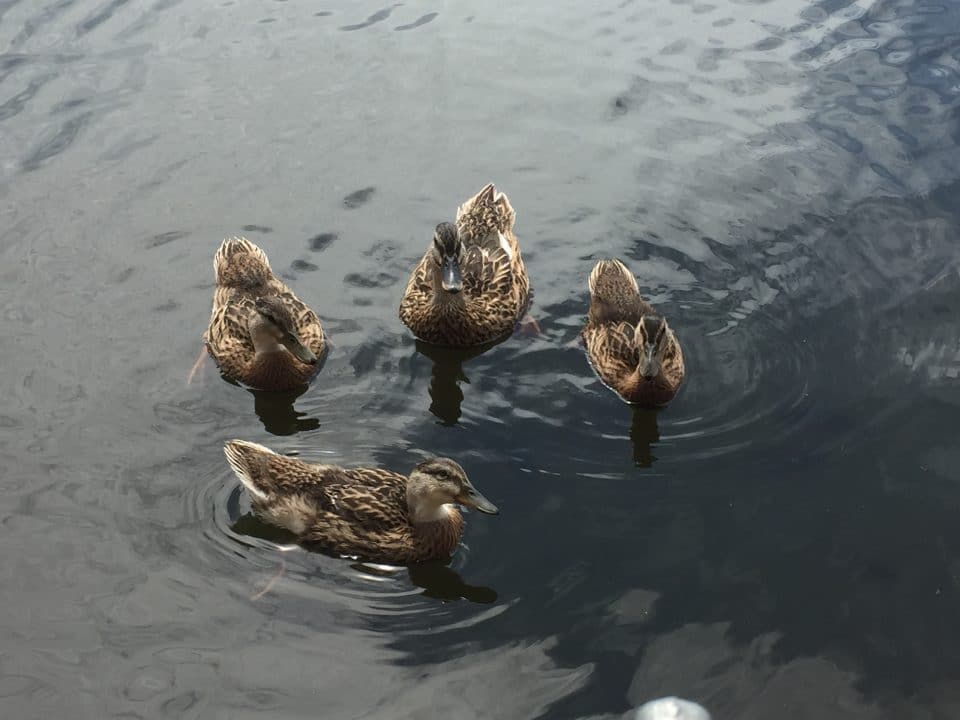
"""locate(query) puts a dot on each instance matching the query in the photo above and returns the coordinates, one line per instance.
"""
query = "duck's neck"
(273, 366)
(647, 391)
(264, 341)
(438, 531)
(422, 514)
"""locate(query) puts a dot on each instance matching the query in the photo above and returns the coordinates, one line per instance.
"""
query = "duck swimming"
(260, 332)
(629, 344)
(471, 285)
(371, 513)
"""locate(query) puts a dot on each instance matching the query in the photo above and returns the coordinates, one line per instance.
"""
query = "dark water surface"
(781, 542)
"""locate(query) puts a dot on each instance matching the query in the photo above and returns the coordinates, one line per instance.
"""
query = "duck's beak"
(450, 276)
(649, 365)
(472, 498)
(300, 351)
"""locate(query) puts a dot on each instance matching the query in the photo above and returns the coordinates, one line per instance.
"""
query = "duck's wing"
(418, 294)
(486, 222)
(611, 351)
(227, 336)
(487, 272)
(373, 497)
(364, 495)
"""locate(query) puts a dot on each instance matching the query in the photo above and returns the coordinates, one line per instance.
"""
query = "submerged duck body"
(372, 513)
(471, 286)
(630, 346)
(260, 332)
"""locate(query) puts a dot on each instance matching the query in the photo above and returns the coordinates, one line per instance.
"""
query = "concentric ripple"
(279, 571)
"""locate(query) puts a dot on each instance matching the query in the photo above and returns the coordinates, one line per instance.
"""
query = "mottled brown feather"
(348, 511)
(495, 284)
(243, 274)
(616, 307)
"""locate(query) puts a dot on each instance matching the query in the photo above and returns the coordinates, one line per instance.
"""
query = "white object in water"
(671, 708)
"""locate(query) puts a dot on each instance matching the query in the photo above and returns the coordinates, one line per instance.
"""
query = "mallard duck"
(629, 344)
(260, 333)
(371, 513)
(470, 287)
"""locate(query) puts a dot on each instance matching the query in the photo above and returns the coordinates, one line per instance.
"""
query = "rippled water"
(782, 541)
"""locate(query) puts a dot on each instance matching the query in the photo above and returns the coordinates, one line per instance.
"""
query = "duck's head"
(655, 344)
(274, 324)
(438, 482)
(448, 254)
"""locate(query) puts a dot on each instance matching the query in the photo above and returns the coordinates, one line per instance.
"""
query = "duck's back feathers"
(265, 473)
(615, 295)
(368, 495)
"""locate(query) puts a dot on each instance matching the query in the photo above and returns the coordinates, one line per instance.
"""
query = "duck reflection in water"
(644, 433)
(276, 412)
(275, 407)
(447, 374)
(437, 579)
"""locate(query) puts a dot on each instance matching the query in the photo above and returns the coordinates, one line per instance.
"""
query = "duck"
(630, 346)
(260, 334)
(369, 513)
(471, 286)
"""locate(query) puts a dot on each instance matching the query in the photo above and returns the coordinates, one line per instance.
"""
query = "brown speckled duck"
(630, 346)
(371, 513)
(471, 286)
(260, 332)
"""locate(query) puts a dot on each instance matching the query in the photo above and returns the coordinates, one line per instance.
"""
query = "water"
(781, 542)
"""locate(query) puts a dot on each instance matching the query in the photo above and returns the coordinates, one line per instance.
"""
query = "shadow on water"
(277, 413)
(447, 375)
(441, 582)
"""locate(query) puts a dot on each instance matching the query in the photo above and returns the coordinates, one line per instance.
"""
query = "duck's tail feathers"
(248, 460)
(239, 261)
(611, 278)
(489, 207)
